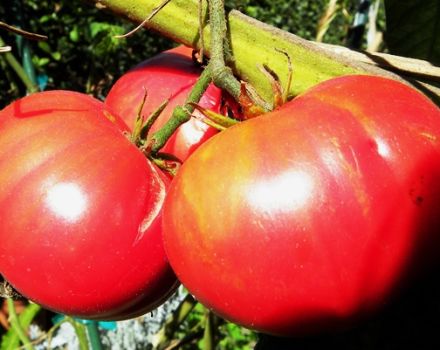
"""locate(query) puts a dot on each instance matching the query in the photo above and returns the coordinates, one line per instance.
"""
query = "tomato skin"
(80, 209)
(169, 75)
(306, 219)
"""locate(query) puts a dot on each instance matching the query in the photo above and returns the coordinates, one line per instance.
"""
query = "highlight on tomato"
(169, 75)
(308, 218)
(80, 210)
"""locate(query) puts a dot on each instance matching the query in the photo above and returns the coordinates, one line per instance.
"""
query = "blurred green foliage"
(81, 53)
(298, 16)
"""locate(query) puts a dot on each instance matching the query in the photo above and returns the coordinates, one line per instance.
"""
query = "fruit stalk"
(181, 114)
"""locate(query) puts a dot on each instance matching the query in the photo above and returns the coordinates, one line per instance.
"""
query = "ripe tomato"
(169, 75)
(309, 217)
(80, 210)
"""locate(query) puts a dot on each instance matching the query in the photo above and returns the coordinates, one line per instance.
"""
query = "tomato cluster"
(301, 220)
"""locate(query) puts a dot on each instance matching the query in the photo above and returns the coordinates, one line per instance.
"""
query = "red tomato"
(307, 218)
(169, 75)
(80, 210)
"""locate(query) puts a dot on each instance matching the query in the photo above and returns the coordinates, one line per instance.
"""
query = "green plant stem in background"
(15, 324)
(9, 75)
(92, 331)
(17, 67)
(11, 340)
(166, 333)
(208, 334)
(81, 333)
(181, 114)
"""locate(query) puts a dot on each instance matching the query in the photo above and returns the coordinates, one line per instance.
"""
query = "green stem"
(15, 324)
(27, 63)
(81, 333)
(182, 312)
(222, 75)
(92, 330)
(208, 335)
(19, 70)
(9, 76)
(181, 114)
(191, 336)
(166, 333)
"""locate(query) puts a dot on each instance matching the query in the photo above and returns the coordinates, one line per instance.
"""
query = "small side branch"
(24, 33)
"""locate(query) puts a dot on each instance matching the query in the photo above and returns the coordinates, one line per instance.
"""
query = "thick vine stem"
(254, 43)
(181, 114)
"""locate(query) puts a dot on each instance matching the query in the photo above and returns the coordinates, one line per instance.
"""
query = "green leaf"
(74, 34)
(45, 19)
(40, 62)
(103, 38)
(98, 27)
(10, 340)
(235, 337)
(413, 28)
(44, 46)
(56, 55)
